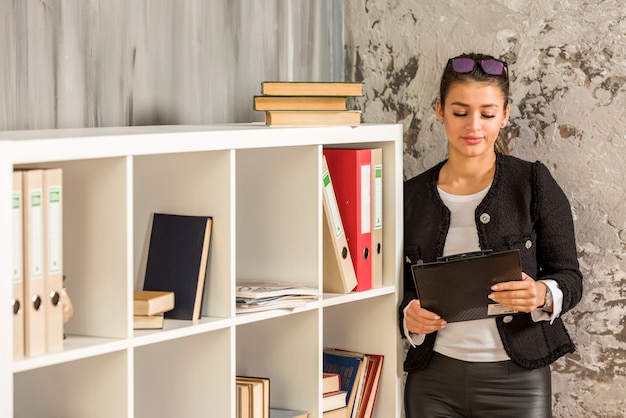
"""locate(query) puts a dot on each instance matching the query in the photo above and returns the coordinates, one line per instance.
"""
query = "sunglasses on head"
(464, 65)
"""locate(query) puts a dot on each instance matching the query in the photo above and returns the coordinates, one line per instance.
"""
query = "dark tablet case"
(456, 289)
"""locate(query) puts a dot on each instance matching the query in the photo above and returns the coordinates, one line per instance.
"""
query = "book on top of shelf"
(337, 413)
(334, 400)
(256, 289)
(287, 413)
(330, 382)
(152, 302)
(148, 321)
(242, 401)
(312, 117)
(300, 103)
(177, 261)
(312, 88)
(259, 395)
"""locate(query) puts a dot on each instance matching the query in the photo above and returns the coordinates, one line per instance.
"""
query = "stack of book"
(262, 295)
(308, 103)
(359, 377)
(149, 307)
(334, 402)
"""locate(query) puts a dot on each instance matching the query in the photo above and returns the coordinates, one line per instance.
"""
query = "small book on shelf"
(177, 261)
(312, 88)
(337, 413)
(334, 400)
(148, 321)
(299, 103)
(330, 382)
(152, 302)
(312, 117)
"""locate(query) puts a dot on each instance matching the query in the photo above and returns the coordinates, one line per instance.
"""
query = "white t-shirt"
(477, 340)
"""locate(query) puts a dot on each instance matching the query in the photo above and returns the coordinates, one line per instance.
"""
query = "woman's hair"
(451, 77)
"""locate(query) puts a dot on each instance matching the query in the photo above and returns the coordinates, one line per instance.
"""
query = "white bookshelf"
(262, 186)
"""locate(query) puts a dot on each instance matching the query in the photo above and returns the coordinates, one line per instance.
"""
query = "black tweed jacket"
(525, 209)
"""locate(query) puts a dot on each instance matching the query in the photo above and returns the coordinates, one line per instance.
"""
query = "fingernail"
(491, 296)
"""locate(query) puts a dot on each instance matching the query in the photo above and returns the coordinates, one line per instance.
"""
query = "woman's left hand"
(524, 295)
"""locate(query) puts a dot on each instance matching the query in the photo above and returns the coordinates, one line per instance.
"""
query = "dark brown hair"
(451, 77)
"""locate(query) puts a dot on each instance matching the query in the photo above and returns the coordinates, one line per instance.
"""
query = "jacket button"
(507, 319)
(528, 244)
(485, 218)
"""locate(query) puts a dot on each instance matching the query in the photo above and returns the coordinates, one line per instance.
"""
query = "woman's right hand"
(421, 321)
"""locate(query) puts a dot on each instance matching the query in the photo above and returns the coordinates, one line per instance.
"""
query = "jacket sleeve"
(557, 256)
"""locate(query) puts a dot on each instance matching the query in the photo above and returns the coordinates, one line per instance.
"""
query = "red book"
(372, 382)
(330, 383)
(350, 170)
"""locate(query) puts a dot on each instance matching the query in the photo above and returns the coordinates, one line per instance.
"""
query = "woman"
(482, 199)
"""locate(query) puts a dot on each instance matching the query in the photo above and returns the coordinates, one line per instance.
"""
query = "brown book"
(148, 321)
(312, 117)
(299, 103)
(152, 302)
(259, 395)
(311, 88)
(338, 413)
(243, 407)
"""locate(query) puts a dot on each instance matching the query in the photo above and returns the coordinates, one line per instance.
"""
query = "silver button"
(507, 319)
(485, 218)
(528, 244)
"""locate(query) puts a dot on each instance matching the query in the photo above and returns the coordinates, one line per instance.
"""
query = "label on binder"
(332, 204)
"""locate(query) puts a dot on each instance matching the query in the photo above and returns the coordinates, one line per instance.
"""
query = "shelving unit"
(262, 185)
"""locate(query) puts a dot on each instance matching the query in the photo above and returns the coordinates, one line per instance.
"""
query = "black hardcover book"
(177, 261)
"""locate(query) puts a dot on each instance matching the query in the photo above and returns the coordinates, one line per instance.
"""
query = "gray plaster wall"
(90, 63)
(567, 60)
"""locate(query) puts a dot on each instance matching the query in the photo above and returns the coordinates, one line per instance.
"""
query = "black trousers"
(455, 388)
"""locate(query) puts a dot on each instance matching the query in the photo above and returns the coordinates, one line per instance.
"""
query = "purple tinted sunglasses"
(464, 65)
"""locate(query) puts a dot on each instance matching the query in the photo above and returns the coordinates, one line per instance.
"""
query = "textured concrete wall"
(568, 69)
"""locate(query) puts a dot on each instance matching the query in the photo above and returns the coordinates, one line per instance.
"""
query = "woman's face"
(473, 115)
